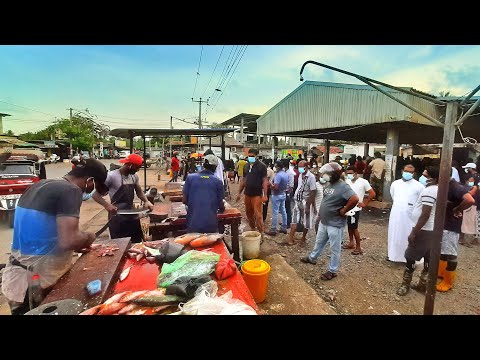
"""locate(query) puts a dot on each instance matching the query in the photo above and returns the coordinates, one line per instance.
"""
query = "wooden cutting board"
(104, 268)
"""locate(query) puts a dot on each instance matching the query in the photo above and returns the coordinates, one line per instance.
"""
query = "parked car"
(15, 177)
(123, 154)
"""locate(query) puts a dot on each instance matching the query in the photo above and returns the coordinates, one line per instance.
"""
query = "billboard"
(120, 143)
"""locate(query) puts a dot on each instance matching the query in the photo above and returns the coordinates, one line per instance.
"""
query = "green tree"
(444, 93)
(9, 133)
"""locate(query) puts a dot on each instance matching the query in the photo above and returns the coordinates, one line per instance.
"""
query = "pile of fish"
(140, 251)
(196, 240)
(145, 302)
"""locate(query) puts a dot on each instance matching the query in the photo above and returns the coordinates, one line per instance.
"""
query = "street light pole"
(170, 140)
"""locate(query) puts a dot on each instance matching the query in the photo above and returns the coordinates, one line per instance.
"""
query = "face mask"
(86, 196)
(322, 181)
(199, 168)
(422, 180)
(314, 166)
(301, 170)
(471, 183)
(350, 176)
(407, 176)
(326, 177)
(251, 159)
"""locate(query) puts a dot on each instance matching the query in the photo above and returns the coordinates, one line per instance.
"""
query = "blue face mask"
(199, 167)
(422, 180)
(407, 176)
(471, 183)
(86, 196)
(301, 170)
(350, 176)
(251, 159)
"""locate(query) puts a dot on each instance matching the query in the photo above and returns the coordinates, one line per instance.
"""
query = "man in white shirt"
(360, 186)
(220, 169)
(455, 174)
(421, 236)
(290, 187)
(404, 192)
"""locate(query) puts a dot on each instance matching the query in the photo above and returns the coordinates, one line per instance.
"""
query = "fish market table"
(143, 276)
(177, 213)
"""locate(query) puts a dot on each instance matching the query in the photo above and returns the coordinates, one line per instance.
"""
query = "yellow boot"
(442, 265)
(447, 281)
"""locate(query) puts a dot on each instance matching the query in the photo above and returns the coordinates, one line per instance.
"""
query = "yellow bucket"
(255, 273)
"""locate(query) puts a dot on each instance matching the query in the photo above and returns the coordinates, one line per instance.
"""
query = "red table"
(143, 276)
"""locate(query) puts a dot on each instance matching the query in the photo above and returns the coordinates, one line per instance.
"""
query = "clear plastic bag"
(193, 263)
(206, 302)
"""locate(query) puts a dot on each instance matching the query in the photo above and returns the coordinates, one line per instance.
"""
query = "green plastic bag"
(193, 263)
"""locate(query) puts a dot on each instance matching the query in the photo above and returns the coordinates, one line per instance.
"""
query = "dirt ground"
(366, 284)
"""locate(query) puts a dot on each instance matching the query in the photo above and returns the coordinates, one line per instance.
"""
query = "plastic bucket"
(255, 273)
(251, 244)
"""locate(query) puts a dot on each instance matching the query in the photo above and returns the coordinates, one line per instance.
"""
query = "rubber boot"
(405, 287)
(442, 265)
(447, 281)
(421, 286)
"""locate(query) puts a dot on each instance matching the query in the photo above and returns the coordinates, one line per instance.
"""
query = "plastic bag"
(186, 286)
(206, 302)
(193, 263)
(225, 269)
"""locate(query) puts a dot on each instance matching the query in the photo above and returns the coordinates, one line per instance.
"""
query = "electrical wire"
(215, 68)
(223, 72)
(198, 72)
(23, 107)
(229, 69)
(244, 50)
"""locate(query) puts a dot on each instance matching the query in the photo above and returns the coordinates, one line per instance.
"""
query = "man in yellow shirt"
(240, 164)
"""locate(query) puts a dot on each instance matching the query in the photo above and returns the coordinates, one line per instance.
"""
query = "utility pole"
(200, 111)
(170, 139)
(71, 148)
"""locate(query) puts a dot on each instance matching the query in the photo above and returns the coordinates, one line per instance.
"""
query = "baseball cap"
(470, 165)
(93, 168)
(211, 160)
(330, 167)
(134, 159)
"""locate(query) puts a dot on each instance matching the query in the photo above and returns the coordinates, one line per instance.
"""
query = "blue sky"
(150, 83)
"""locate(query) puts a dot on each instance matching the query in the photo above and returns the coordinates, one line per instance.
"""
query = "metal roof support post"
(366, 149)
(390, 162)
(241, 131)
(210, 142)
(144, 165)
(470, 95)
(326, 155)
(130, 135)
(442, 197)
(223, 147)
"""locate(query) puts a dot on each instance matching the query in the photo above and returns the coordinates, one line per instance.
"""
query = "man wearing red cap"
(122, 183)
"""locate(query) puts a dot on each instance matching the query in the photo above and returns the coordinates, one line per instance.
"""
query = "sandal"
(347, 247)
(357, 252)
(328, 275)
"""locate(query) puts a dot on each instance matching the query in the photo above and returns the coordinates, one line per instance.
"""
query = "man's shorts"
(450, 243)
(352, 221)
(421, 246)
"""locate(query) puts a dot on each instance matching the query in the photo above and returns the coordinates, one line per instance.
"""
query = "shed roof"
(249, 121)
(355, 113)
(229, 142)
(125, 133)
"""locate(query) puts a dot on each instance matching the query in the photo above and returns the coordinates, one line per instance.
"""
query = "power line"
(244, 50)
(198, 72)
(23, 107)
(215, 68)
(227, 72)
(223, 71)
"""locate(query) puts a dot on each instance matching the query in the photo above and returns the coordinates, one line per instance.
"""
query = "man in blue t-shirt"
(203, 196)
(279, 186)
(46, 232)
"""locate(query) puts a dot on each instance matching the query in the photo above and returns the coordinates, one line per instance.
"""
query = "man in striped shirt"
(421, 236)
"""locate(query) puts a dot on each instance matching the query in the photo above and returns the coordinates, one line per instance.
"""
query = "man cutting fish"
(122, 185)
(46, 232)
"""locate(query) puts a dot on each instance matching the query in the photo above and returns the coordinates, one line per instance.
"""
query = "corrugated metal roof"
(323, 105)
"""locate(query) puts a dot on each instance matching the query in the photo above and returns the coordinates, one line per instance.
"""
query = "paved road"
(53, 171)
